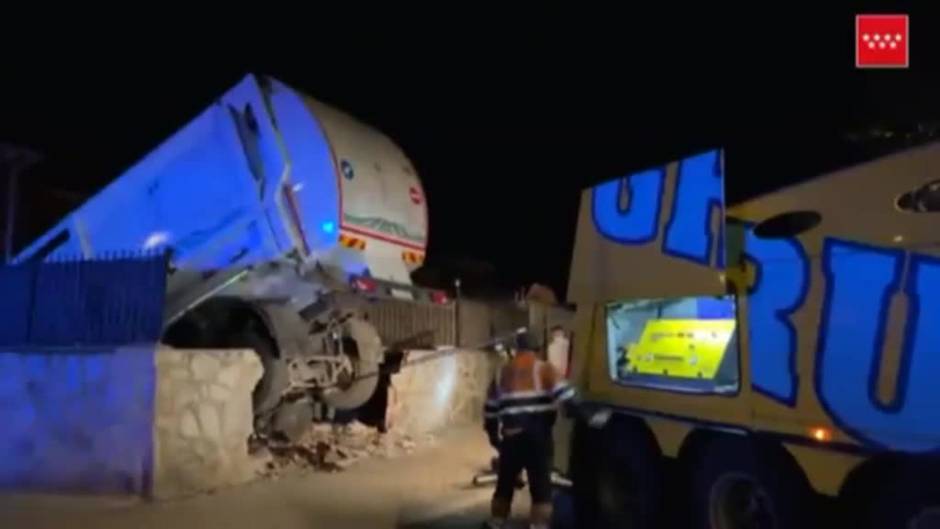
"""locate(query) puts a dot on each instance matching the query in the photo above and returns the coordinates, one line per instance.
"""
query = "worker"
(519, 415)
(505, 353)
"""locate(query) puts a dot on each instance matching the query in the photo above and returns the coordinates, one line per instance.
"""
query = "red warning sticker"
(415, 195)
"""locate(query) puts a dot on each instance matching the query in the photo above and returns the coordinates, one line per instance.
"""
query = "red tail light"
(365, 284)
(439, 297)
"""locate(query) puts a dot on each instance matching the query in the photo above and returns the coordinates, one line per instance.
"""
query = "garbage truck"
(771, 364)
(279, 216)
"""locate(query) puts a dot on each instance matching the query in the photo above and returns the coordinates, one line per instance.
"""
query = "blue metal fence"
(112, 300)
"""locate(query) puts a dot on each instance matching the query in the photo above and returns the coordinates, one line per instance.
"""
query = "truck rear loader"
(744, 367)
(279, 214)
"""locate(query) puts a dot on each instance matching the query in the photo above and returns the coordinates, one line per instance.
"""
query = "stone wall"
(76, 420)
(203, 420)
(171, 423)
(447, 391)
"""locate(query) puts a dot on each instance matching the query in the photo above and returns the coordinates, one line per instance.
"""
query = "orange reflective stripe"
(354, 243)
(520, 375)
(412, 257)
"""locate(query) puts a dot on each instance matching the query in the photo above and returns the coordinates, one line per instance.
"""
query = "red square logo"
(881, 41)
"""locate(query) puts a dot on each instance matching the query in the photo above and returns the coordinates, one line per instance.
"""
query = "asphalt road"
(429, 489)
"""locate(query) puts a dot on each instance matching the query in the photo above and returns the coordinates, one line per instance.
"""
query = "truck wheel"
(908, 499)
(583, 467)
(366, 357)
(293, 420)
(275, 378)
(617, 477)
(737, 486)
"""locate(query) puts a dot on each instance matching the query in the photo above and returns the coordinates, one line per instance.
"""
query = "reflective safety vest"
(526, 393)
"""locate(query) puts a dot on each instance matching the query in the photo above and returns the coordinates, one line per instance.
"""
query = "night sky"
(506, 120)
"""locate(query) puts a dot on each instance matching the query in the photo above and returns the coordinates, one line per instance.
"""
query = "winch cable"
(436, 354)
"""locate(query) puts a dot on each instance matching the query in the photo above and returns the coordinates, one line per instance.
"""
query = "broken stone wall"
(447, 391)
(203, 420)
(74, 420)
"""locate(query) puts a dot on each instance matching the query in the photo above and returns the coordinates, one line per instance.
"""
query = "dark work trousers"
(529, 450)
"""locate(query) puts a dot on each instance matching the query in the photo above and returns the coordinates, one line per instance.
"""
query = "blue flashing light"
(328, 227)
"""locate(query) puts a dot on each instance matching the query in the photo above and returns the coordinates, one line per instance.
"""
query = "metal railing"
(106, 301)
(398, 320)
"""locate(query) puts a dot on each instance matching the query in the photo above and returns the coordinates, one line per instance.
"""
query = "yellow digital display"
(680, 348)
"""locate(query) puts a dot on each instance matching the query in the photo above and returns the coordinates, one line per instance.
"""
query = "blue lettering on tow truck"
(779, 289)
(699, 189)
(638, 223)
(688, 233)
(860, 284)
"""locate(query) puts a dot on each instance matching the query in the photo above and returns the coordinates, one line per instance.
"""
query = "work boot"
(499, 513)
(541, 516)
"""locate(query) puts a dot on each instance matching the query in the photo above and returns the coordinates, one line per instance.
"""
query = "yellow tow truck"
(741, 364)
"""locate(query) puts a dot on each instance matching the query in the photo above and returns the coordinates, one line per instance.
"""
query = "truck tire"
(738, 485)
(366, 359)
(583, 468)
(275, 378)
(292, 420)
(617, 476)
(908, 498)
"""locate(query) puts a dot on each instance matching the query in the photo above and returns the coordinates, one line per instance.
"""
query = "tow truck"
(742, 365)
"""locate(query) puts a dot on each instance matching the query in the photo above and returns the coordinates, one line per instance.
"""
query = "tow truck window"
(687, 344)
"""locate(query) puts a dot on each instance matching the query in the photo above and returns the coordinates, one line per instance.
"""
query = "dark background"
(506, 117)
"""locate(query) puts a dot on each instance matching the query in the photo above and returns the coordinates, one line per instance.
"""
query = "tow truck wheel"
(617, 476)
(907, 498)
(583, 469)
(738, 486)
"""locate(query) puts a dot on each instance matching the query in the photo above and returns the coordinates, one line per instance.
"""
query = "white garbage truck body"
(275, 211)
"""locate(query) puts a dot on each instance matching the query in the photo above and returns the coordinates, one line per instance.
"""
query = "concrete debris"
(334, 448)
